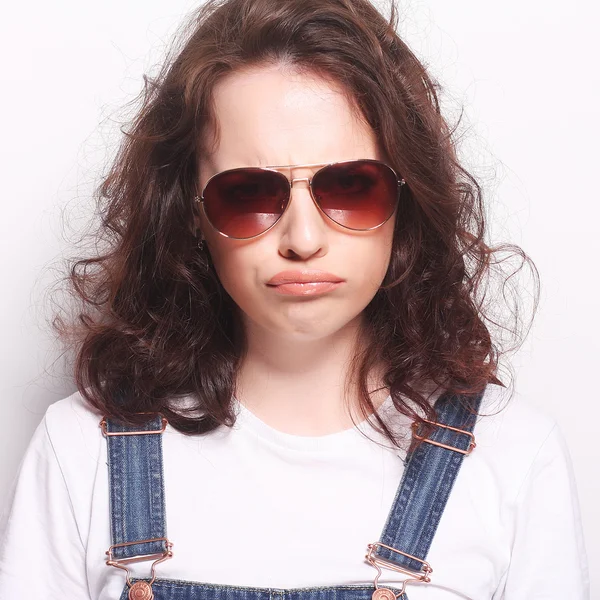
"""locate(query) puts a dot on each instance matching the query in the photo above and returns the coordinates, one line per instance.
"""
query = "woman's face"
(270, 117)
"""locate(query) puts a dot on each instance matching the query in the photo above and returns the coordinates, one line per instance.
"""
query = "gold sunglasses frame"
(276, 168)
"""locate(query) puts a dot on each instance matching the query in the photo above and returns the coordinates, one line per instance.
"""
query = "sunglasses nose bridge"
(308, 187)
(307, 179)
(308, 184)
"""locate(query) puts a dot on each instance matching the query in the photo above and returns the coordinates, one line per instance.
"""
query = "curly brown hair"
(154, 323)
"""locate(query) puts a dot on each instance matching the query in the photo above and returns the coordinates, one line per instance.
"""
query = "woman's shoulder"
(73, 430)
(73, 422)
(516, 438)
(509, 417)
(73, 408)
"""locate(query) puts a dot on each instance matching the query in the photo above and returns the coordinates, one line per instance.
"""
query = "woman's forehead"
(268, 117)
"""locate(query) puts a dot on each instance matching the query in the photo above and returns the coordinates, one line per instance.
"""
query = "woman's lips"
(304, 282)
(311, 288)
(303, 276)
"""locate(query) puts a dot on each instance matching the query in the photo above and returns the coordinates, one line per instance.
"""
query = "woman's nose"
(303, 230)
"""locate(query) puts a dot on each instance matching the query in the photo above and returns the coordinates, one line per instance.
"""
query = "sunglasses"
(245, 202)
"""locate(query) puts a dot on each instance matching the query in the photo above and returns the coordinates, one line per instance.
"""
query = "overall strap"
(429, 475)
(137, 495)
(137, 500)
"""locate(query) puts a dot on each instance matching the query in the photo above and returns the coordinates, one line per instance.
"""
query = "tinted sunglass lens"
(242, 203)
(357, 194)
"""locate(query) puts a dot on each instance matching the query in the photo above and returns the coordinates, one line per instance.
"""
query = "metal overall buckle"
(106, 433)
(472, 444)
(140, 590)
(382, 593)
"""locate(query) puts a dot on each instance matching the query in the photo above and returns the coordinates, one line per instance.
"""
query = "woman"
(303, 400)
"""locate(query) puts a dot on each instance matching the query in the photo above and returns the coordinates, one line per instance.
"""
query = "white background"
(526, 74)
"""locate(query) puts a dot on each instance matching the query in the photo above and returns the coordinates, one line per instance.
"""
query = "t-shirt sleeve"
(41, 552)
(548, 559)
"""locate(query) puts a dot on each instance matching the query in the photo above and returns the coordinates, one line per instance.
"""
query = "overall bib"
(139, 529)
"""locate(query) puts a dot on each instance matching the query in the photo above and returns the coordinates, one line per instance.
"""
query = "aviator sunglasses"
(245, 202)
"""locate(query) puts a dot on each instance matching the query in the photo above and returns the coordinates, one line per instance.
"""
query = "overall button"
(141, 590)
(383, 594)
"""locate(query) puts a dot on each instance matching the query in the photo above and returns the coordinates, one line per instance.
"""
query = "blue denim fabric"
(137, 506)
(137, 495)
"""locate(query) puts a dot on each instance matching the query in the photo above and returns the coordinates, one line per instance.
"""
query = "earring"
(200, 239)
(205, 255)
(198, 234)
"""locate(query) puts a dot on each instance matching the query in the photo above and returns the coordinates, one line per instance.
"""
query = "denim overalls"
(139, 529)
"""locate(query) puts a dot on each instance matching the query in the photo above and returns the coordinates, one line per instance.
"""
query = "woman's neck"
(297, 385)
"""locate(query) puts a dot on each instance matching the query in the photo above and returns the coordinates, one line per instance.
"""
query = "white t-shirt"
(253, 506)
